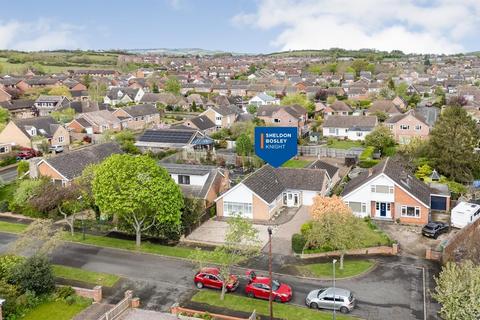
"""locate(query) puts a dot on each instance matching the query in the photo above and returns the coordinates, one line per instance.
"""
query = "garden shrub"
(64, 292)
(34, 274)
(7, 264)
(298, 242)
(367, 153)
(368, 163)
(10, 293)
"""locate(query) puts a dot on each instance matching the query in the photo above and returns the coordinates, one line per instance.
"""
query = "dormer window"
(32, 131)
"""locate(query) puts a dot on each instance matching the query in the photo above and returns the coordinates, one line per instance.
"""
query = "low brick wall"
(382, 250)
(177, 310)
(431, 254)
(95, 293)
(462, 243)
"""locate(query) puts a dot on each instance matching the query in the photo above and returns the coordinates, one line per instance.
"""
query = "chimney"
(370, 171)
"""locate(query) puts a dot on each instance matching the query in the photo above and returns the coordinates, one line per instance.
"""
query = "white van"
(465, 213)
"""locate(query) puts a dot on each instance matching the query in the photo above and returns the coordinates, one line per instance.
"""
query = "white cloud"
(43, 34)
(436, 26)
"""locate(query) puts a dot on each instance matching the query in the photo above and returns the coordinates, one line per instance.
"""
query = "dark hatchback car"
(434, 229)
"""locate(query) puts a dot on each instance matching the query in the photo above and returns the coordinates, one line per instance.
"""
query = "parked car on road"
(210, 277)
(434, 229)
(259, 287)
(27, 153)
(56, 149)
(331, 298)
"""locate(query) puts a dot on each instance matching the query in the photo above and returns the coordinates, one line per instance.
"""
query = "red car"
(27, 153)
(210, 277)
(259, 287)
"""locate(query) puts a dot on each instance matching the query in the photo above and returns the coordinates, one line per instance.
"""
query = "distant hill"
(340, 53)
(181, 52)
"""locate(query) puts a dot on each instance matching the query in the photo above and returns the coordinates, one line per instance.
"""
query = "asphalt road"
(9, 175)
(393, 290)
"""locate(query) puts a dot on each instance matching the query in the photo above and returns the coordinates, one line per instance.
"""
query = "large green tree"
(458, 291)
(139, 192)
(299, 99)
(452, 143)
(380, 138)
(172, 85)
(243, 145)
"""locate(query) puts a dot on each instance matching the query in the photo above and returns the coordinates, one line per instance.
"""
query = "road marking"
(424, 295)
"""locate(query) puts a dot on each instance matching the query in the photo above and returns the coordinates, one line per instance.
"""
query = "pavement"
(8, 175)
(393, 290)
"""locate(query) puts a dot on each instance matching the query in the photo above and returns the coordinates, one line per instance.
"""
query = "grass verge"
(92, 277)
(325, 270)
(284, 311)
(57, 310)
(12, 227)
(343, 144)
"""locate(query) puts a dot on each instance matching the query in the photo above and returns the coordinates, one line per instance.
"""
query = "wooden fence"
(119, 308)
(205, 216)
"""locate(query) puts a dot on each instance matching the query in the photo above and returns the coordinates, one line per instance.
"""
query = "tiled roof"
(350, 122)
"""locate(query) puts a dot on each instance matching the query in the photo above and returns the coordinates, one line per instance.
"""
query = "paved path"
(93, 312)
(394, 290)
(282, 235)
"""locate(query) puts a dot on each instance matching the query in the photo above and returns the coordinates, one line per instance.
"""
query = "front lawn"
(294, 163)
(372, 237)
(57, 310)
(92, 277)
(343, 144)
(325, 270)
(12, 227)
(244, 304)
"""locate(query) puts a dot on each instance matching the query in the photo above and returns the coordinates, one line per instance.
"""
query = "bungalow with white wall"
(349, 127)
(266, 191)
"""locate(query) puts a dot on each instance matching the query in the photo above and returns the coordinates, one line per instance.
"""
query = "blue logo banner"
(276, 145)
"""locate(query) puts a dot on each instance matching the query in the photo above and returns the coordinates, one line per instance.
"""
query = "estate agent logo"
(276, 145)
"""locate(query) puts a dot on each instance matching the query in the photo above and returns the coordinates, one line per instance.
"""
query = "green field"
(294, 163)
(91, 277)
(283, 311)
(57, 310)
(325, 270)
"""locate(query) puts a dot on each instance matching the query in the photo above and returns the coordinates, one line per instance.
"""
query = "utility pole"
(270, 302)
(334, 306)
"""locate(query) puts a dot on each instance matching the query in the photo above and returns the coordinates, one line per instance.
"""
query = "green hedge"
(367, 154)
(368, 163)
(298, 242)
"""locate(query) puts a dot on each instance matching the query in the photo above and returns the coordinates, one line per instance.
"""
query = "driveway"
(411, 240)
(282, 234)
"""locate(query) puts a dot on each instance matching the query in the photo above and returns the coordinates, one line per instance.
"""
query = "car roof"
(338, 291)
(263, 280)
(210, 270)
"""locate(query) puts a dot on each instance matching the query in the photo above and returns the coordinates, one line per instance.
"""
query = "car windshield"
(275, 285)
(320, 292)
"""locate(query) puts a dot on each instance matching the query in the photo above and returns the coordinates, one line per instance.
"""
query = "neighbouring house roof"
(45, 126)
(295, 110)
(13, 105)
(386, 106)
(265, 97)
(225, 110)
(176, 136)
(339, 106)
(100, 117)
(194, 170)
(430, 114)
(202, 122)
(330, 168)
(395, 169)
(396, 118)
(71, 164)
(268, 182)
(140, 110)
(351, 122)
(113, 94)
(45, 98)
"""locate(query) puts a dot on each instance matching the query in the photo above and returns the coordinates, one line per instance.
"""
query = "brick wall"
(403, 198)
(383, 250)
(95, 293)
(177, 310)
(460, 243)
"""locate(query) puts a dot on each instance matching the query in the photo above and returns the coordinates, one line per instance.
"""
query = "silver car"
(331, 298)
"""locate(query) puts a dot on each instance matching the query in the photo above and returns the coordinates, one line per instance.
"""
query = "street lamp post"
(334, 314)
(270, 270)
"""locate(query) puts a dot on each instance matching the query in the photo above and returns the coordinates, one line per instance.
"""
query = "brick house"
(223, 116)
(338, 108)
(4, 95)
(266, 191)
(388, 191)
(63, 168)
(95, 122)
(285, 116)
(407, 126)
(138, 117)
(31, 132)
(384, 106)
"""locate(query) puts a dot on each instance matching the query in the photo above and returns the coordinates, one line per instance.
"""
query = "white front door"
(291, 199)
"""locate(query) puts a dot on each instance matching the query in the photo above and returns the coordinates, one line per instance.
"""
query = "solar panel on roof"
(167, 136)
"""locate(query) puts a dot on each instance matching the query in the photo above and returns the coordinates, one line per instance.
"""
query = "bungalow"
(123, 95)
(19, 109)
(222, 117)
(384, 106)
(201, 123)
(263, 99)
(44, 104)
(332, 171)
(349, 127)
(95, 122)
(64, 168)
(407, 126)
(338, 108)
(160, 139)
(286, 116)
(198, 181)
(31, 132)
(139, 116)
(388, 191)
(266, 191)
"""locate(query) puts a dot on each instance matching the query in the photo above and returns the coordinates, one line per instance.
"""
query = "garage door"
(438, 203)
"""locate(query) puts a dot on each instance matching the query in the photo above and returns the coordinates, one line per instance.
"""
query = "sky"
(243, 26)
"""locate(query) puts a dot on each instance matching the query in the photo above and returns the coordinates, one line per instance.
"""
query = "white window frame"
(373, 188)
(418, 127)
(404, 127)
(404, 210)
(61, 139)
(242, 208)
